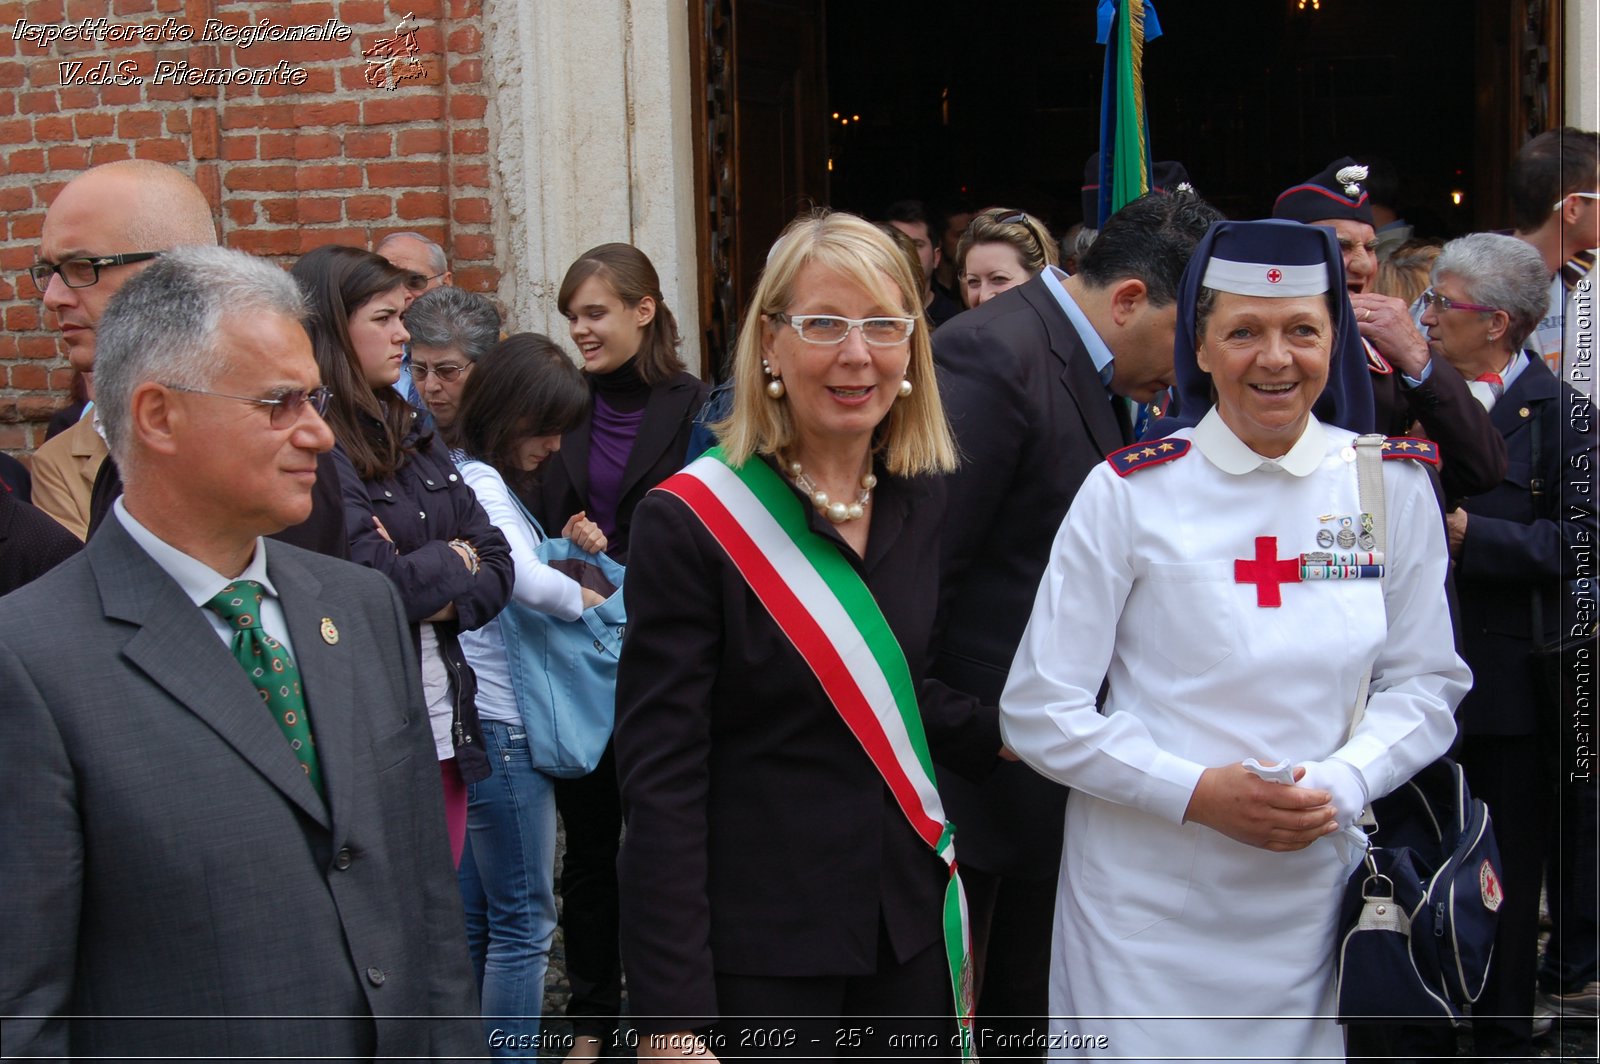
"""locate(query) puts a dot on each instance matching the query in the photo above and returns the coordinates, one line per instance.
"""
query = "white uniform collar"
(1228, 453)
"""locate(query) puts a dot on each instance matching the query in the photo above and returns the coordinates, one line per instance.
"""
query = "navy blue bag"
(564, 673)
(1419, 914)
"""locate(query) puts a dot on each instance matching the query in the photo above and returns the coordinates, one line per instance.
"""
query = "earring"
(905, 387)
(775, 386)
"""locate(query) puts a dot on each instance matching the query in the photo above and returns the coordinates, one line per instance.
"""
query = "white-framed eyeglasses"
(1580, 195)
(832, 329)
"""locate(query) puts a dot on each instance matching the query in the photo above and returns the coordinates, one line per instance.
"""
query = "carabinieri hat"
(1272, 260)
(1338, 192)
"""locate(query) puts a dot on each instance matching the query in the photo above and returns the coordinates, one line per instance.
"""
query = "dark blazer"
(1032, 418)
(658, 452)
(322, 532)
(761, 839)
(14, 475)
(1472, 452)
(31, 542)
(1515, 544)
(164, 855)
(423, 505)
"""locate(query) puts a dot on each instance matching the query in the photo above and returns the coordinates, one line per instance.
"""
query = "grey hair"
(453, 319)
(1500, 271)
(164, 325)
(1081, 243)
(435, 252)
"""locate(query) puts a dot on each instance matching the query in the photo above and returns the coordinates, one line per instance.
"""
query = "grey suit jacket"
(170, 883)
(1032, 419)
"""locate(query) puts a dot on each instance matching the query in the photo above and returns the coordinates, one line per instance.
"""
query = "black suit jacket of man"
(171, 885)
(659, 451)
(1032, 418)
(31, 542)
(1516, 545)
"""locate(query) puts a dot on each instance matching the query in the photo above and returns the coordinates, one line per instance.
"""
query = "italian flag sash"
(827, 613)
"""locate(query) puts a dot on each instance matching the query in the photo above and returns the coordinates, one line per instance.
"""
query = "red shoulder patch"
(1411, 447)
(1144, 455)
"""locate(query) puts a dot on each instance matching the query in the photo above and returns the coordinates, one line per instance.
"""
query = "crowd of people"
(1011, 651)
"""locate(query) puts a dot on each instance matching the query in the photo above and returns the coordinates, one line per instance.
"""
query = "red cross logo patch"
(1489, 886)
(1274, 275)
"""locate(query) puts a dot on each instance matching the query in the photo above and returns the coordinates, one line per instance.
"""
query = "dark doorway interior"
(999, 103)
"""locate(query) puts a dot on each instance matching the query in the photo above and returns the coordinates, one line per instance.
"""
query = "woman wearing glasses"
(785, 855)
(408, 513)
(450, 330)
(1514, 548)
(634, 436)
(1001, 249)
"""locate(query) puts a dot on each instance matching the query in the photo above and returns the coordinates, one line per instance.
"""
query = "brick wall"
(324, 157)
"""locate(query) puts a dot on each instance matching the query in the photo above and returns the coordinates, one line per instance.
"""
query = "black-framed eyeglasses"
(832, 329)
(285, 407)
(449, 372)
(83, 272)
(418, 282)
(1438, 301)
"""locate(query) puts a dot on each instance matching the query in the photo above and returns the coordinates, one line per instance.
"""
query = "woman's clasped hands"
(1237, 803)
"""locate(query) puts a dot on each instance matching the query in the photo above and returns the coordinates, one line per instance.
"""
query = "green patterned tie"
(270, 668)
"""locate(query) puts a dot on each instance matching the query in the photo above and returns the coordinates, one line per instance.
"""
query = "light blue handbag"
(564, 673)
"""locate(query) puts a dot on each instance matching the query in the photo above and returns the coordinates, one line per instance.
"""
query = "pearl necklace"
(837, 512)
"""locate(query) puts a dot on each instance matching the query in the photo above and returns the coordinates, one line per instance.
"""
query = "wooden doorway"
(761, 145)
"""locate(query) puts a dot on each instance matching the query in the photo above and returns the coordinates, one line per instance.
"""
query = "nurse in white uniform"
(1198, 894)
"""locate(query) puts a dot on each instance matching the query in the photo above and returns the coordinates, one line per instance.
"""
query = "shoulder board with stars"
(1411, 447)
(1145, 455)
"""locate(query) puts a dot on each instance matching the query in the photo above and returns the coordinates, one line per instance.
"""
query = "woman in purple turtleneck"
(635, 437)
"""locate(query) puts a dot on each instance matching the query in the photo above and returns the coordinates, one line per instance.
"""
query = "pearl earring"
(775, 386)
(905, 387)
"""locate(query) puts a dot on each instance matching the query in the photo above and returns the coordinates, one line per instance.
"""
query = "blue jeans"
(508, 890)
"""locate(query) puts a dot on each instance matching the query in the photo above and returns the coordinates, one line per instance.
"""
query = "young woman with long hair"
(518, 401)
(408, 513)
(636, 436)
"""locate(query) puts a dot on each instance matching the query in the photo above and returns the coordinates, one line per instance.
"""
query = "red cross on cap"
(1274, 275)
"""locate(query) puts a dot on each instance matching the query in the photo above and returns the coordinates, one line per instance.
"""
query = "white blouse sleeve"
(1417, 679)
(1047, 711)
(537, 586)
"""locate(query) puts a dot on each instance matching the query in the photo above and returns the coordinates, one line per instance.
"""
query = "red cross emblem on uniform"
(1267, 571)
(1274, 275)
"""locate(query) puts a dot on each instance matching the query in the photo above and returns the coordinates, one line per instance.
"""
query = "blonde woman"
(1001, 249)
(781, 860)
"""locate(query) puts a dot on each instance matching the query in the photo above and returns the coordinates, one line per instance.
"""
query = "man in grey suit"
(1035, 383)
(182, 873)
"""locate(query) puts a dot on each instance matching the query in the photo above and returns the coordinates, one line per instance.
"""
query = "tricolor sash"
(825, 610)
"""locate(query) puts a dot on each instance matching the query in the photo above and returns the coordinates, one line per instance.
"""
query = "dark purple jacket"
(423, 506)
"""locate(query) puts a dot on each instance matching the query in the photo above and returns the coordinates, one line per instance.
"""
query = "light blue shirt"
(1099, 353)
(405, 385)
(201, 583)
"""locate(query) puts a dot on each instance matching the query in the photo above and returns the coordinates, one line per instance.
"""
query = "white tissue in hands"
(1276, 773)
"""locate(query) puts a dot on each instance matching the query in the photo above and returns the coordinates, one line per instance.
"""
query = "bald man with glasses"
(106, 226)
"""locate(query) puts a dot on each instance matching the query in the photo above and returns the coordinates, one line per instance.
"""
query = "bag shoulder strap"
(1369, 485)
